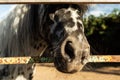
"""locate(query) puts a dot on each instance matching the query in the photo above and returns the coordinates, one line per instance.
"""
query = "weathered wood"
(26, 1)
(105, 58)
(28, 60)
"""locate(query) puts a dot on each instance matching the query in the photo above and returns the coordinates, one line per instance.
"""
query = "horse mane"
(15, 32)
(51, 8)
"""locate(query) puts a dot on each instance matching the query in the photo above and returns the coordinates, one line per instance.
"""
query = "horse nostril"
(69, 51)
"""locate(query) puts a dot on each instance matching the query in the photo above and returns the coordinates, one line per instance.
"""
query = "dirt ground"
(47, 71)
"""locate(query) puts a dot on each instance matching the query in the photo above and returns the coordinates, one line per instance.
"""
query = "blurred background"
(102, 26)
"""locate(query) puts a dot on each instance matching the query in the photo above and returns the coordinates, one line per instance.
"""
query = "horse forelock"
(45, 9)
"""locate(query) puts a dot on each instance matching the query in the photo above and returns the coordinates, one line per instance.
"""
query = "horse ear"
(51, 16)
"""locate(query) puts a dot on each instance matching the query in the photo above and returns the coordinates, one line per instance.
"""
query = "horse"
(33, 29)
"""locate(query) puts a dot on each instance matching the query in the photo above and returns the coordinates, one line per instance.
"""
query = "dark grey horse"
(31, 30)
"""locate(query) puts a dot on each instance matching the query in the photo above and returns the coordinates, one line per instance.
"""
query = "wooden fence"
(29, 60)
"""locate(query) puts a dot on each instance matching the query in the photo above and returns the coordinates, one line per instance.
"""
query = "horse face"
(71, 46)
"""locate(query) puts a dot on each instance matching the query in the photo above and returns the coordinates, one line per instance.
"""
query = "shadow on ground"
(103, 68)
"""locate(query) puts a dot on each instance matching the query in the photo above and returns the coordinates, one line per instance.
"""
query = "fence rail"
(29, 60)
(33, 1)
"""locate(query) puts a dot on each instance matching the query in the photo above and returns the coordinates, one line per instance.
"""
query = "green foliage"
(41, 60)
(104, 29)
(46, 59)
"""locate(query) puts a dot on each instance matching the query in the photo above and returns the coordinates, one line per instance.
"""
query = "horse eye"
(78, 12)
(78, 17)
(79, 24)
(56, 18)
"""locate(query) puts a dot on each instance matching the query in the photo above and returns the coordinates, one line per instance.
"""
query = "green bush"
(103, 32)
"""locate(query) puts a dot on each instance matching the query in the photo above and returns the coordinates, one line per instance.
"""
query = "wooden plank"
(14, 60)
(28, 60)
(25, 1)
(105, 58)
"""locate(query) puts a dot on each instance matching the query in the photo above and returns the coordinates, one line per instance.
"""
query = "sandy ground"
(48, 72)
